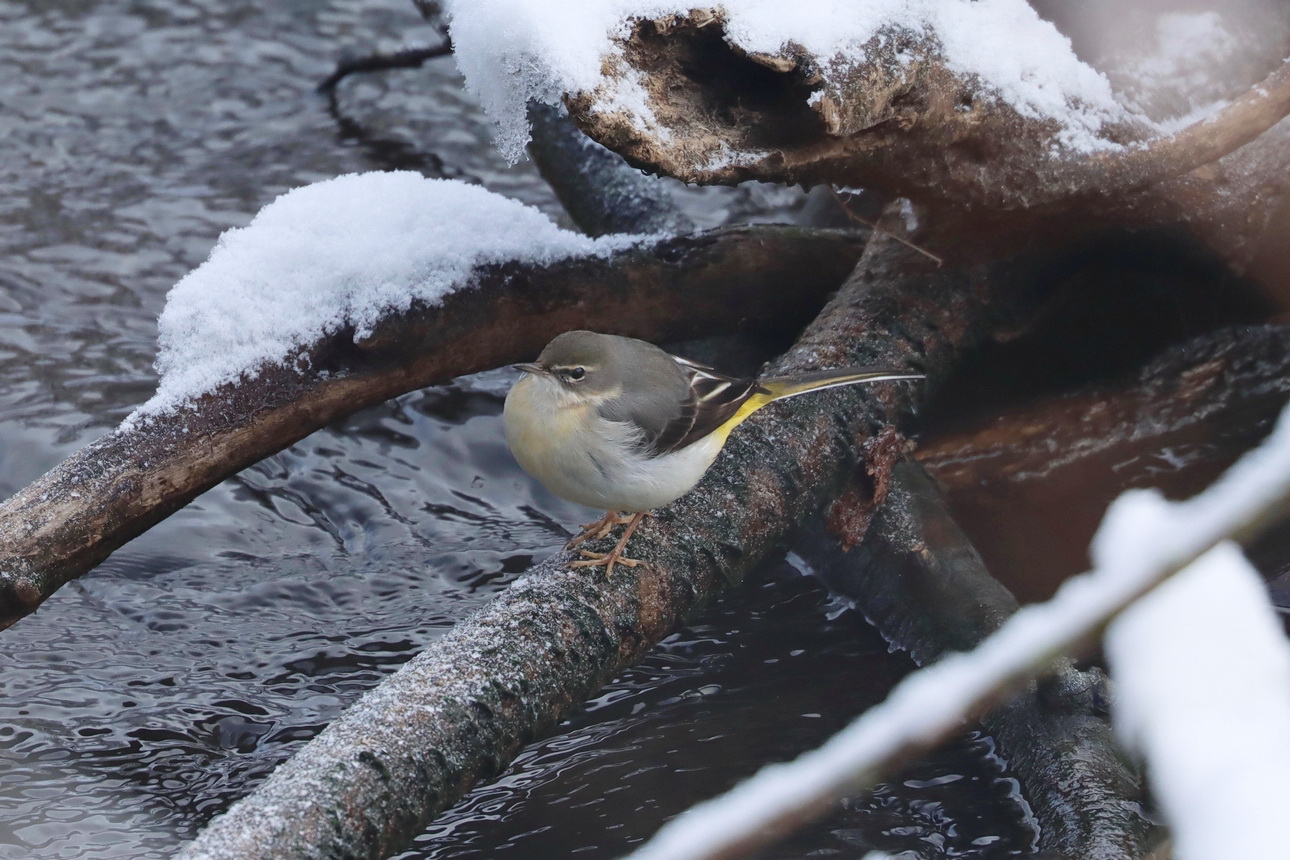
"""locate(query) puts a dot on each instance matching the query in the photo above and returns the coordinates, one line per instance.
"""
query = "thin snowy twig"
(1143, 541)
(1204, 142)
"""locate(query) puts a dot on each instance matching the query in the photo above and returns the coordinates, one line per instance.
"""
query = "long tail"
(775, 388)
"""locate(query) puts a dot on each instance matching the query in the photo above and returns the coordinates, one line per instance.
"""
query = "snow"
(1190, 50)
(1143, 538)
(336, 254)
(1203, 674)
(513, 51)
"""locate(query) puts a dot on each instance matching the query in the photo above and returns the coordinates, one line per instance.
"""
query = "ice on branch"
(1203, 677)
(514, 51)
(333, 256)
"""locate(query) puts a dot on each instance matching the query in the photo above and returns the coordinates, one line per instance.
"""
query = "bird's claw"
(607, 560)
(600, 528)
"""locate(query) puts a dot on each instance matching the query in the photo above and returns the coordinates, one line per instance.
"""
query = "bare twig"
(873, 225)
(408, 58)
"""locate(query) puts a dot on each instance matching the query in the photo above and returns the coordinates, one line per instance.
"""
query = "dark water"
(147, 696)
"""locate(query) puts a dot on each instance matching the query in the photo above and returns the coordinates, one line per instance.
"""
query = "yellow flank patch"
(778, 389)
(751, 405)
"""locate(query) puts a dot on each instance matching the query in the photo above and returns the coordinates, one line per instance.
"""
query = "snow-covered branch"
(344, 294)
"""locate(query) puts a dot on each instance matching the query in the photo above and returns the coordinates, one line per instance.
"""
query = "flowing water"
(150, 694)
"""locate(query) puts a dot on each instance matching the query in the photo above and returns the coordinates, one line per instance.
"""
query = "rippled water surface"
(147, 696)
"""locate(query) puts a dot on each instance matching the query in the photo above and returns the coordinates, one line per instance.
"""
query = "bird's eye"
(577, 373)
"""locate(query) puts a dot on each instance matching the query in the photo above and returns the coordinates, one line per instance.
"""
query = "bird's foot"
(600, 528)
(607, 560)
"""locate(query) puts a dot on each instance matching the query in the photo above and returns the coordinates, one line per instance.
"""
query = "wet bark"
(1031, 484)
(917, 578)
(601, 192)
(72, 518)
(462, 709)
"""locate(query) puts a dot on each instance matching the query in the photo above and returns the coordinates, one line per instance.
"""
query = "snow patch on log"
(1203, 672)
(514, 51)
(337, 256)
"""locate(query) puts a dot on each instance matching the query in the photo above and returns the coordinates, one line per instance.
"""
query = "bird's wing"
(711, 399)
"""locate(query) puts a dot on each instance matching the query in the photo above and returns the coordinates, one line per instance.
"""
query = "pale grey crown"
(646, 385)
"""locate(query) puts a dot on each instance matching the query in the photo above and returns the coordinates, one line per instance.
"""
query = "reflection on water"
(147, 696)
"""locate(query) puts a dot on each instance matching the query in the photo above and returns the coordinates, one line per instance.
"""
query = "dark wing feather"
(711, 400)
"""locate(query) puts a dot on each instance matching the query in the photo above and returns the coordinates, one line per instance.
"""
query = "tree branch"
(901, 123)
(460, 711)
(601, 192)
(72, 518)
(1201, 143)
(408, 58)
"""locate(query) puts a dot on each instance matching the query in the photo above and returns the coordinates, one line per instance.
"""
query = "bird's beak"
(530, 368)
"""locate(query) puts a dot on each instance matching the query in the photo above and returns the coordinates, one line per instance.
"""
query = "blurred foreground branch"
(917, 578)
(930, 705)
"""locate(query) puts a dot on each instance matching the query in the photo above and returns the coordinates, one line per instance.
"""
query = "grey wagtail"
(614, 422)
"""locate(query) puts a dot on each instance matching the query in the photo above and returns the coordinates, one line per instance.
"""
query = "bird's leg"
(607, 560)
(600, 528)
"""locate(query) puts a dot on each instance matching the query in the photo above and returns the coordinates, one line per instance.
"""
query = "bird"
(619, 424)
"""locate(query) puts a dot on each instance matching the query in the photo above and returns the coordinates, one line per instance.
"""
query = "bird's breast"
(580, 456)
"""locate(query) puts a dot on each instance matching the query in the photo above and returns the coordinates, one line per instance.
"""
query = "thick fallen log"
(916, 577)
(898, 119)
(1174, 425)
(69, 520)
(462, 709)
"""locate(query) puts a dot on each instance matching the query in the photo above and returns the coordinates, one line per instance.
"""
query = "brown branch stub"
(72, 518)
(848, 518)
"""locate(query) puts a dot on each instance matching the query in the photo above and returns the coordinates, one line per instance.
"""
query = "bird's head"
(581, 365)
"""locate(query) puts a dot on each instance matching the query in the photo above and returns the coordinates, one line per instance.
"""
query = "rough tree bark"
(462, 709)
(72, 518)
